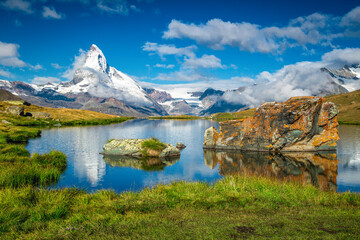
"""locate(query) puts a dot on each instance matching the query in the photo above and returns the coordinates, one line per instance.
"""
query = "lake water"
(89, 170)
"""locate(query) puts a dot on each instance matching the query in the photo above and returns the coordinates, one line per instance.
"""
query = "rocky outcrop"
(15, 110)
(299, 124)
(134, 148)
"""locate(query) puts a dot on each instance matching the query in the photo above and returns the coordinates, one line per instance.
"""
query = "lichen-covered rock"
(42, 115)
(133, 147)
(299, 124)
(15, 110)
(180, 145)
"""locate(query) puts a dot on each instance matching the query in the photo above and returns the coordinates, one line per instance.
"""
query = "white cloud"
(352, 17)
(206, 61)
(9, 55)
(113, 6)
(37, 67)
(166, 66)
(17, 5)
(79, 60)
(299, 79)
(342, 56)
(44, 80)
(4, 73)
(56, 66)
(50, 12)
(135, 9)
(169, 49)
(188, 76)
(315, 29)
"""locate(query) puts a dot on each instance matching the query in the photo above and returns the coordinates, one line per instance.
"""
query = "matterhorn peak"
(96, 60)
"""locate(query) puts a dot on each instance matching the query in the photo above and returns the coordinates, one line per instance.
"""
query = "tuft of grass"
(153, 144)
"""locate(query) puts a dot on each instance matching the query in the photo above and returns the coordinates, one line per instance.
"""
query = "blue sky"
(223, 44)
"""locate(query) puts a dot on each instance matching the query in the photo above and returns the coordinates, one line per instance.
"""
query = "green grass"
(153, 144)
(235, 207)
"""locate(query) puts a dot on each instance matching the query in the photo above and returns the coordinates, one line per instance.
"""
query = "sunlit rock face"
(299, 124)
(317, 169)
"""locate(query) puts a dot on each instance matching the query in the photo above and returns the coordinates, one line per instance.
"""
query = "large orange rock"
(299, 124)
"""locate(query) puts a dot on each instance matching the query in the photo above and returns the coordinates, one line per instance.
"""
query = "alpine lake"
(88, 169)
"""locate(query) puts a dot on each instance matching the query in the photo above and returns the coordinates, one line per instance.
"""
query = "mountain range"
(97, 86)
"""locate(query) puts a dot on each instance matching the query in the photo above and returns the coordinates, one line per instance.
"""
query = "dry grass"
(348, 105)
(63, 114)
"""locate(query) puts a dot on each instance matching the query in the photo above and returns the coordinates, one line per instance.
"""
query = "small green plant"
(153, 144)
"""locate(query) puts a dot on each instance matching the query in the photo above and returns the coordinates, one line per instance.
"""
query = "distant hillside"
(8, 96)
(347, 103)
(62, 114)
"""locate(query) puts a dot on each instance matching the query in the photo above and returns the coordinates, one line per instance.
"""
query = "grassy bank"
(63, 116)
(236, 207)
(349, 107)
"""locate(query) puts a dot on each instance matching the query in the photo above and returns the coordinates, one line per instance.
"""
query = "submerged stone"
(299, 124)
(134, 148)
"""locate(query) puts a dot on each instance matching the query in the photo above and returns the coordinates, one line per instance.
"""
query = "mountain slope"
(95, 86)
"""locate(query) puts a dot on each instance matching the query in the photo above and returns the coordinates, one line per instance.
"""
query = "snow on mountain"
(96, 77)
(347, 77)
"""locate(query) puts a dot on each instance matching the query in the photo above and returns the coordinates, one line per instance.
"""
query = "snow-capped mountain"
(95, 86)
(347, 77)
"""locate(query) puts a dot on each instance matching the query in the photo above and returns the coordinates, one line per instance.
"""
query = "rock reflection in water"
(319, 169)
(148, 164)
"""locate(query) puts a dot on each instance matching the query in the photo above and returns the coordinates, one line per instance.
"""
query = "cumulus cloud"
(9, 55)
(45, 80)
(56, 66)
(339, 57)
(50, 12)
(79, 61)
(17, 5)
(352, 17)
(217, 33)
(314, 29)
(4, 73)
(299, 79)
(36, 67)
(166, 66)
(169, 49)
(206, 61)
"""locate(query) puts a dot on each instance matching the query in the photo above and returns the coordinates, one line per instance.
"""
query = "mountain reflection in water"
(319, 169)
